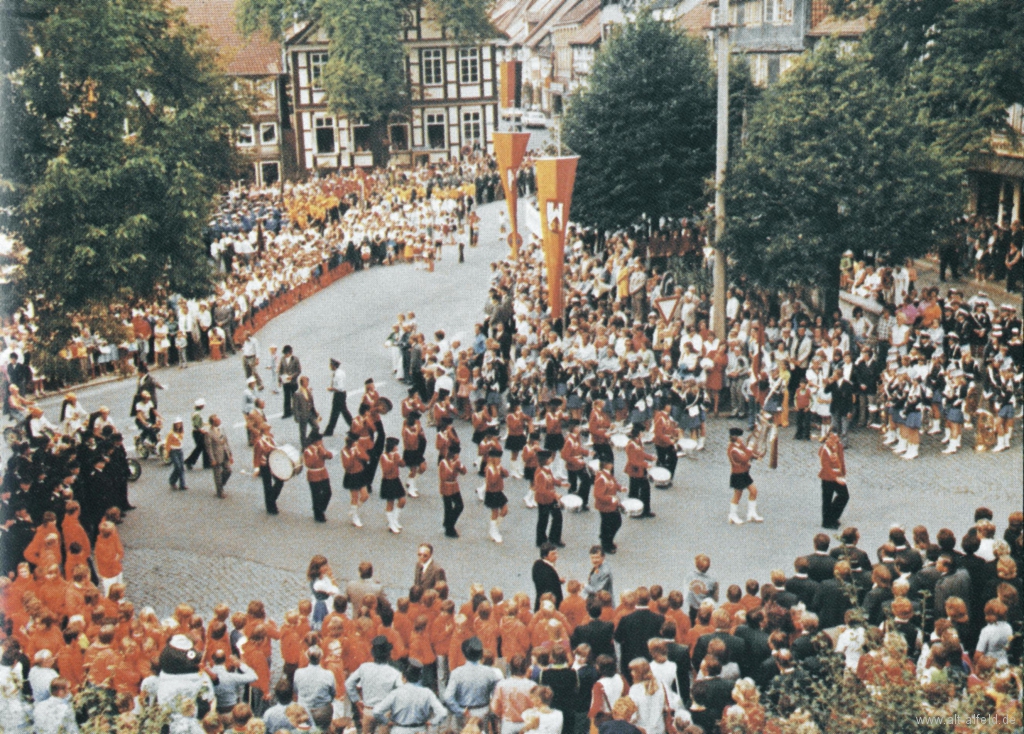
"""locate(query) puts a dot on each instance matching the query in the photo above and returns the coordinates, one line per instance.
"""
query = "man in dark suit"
(833, 597)
(288, 372)
(734, 646)
(596, 633)
(847, 550)
(782, 597)
(635, 629)
(711, 695)
(820, 563)
(800, 584)
(545, 575)
(428, 572)
(758, 647)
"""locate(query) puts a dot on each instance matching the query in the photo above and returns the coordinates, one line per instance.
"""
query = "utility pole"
(721, 161)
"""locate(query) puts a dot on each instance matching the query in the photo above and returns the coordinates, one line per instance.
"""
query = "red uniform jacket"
(833, 459)
(636, 459)
(314, 457)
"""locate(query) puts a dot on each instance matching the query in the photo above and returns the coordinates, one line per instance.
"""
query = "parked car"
(535, 118)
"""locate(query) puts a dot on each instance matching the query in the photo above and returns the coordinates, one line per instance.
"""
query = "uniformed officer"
(411, 708)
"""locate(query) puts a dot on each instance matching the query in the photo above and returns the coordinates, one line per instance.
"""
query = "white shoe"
(900, 447)
(954, 444)
(397, 523)
(889, 439)
(911, 452)
(752, 516)
(355, 519)
(529, 501)
(481, 491)
(413, 493)
(495, 533)
(1000, 445)
(734, 515)
(700, 443)
(945, 437)
(934, 429)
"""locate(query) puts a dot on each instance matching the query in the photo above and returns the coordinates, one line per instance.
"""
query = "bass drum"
(285, 462)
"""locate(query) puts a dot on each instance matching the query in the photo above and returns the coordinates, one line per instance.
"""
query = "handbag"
(670, 719)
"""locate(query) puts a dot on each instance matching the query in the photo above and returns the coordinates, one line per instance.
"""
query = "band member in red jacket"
(834, 492)
(740, 457)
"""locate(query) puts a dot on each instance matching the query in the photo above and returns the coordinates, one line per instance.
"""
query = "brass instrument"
(985, 431)
(765, 438)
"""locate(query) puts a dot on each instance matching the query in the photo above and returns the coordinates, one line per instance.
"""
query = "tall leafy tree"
(365, 75)
(126, 137)
(834, 160)
(644, 128)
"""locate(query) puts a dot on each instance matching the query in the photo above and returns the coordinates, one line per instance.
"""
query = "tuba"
(764, 439)
(985, 431)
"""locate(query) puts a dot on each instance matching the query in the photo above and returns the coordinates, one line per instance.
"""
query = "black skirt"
(392, 489)
(413, 458)
(515, 443)
(354, 481)
(529, 472)
(477, 437)
(554, 442)
(740, 481)
(495, 500)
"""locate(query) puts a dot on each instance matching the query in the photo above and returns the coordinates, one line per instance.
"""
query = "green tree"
(365, 75)
(126, 139)
(644, 128)
(834, 160)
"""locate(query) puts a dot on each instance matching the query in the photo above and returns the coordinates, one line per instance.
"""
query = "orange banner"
(510, 73)
(509, 149)
(555, 179)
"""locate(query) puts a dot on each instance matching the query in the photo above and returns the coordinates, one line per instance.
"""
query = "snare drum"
(619, 441)
(660, 477)
(285, 462)
(632, 507)
(572, 502)
(686, 444)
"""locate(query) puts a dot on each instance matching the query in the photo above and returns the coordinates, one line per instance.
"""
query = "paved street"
(190, 546)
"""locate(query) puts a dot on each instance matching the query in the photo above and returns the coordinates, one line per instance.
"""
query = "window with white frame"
(472, 130)
(245, 134)
(469, 65)
(435, 130)
(323, 129)
(317, 62)
(432, 65)
(268, 133)
(270, 172)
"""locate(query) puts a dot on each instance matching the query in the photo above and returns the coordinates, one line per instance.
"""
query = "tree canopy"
(644, 128)
(834, 160)
(124, 124)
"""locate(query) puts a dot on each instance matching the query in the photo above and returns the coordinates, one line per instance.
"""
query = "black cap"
(735, 431)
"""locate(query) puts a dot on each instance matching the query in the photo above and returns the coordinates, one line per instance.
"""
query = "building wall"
(453, 91)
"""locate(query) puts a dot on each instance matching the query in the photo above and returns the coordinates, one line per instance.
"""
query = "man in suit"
(711, 694)
(636, 628)
(820, 563)
(951, 583)
(304, 409)
(428, 573)
(365, 585)
(758, 647)
(596, 633)
(545, 575)
(800, 584)
(735, 647)
(219, 450)
(288, 372)
(833, 597)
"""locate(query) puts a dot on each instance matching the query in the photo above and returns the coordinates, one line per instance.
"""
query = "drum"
(595, 466)
(686, 444)
(572, 502)
(660, 477)
(619, 441)
(632, 507)
(285, 462)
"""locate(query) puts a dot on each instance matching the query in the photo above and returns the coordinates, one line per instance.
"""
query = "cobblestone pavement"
(190, 546)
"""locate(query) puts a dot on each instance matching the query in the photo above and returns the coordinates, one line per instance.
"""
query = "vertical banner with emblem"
(555, 179)
(510, 83)
(509, 149)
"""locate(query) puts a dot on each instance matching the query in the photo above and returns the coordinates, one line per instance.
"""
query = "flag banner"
(555, 179)
(509, 149)
(509, 83)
